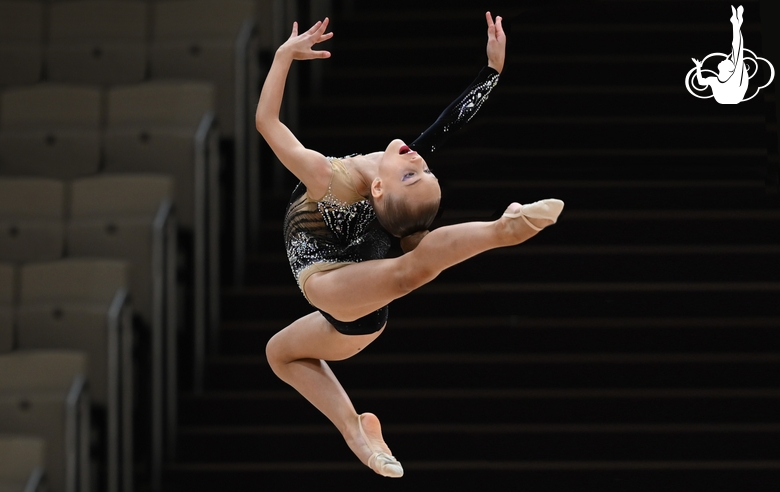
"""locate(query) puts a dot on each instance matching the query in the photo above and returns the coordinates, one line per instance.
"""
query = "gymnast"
(337, 250)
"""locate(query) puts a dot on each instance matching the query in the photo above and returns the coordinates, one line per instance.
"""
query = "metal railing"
(206, 236)
(37, 481)
(120, 396)
(246, 159)
(164, 336)
(77, 433)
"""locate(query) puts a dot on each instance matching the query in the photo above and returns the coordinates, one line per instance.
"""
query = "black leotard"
(333, 233)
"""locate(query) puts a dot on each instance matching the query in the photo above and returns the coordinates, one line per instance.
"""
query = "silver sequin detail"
(470, 104)
(333, 232)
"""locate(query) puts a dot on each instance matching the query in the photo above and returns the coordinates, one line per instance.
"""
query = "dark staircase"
(633, 346)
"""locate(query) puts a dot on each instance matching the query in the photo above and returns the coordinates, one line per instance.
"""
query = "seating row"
(128, 41)
(122, 217)
(22, 463)
(78, 313)
(58, 131)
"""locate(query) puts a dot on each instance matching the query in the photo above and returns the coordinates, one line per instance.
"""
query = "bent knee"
(275, 352)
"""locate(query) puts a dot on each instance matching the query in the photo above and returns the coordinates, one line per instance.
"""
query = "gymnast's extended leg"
(298, 353)
(356, 290)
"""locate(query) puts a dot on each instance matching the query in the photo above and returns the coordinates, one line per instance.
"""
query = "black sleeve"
(458, 113)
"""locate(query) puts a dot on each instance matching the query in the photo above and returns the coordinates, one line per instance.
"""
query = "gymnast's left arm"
(462, 109)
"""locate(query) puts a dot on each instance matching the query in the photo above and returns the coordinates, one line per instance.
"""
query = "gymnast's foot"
(537, 215)
(381, 459)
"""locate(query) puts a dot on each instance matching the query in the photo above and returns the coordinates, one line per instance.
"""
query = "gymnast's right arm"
(311, 167)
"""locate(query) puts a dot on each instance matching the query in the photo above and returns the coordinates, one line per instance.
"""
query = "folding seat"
(50, 130)
(21, 42)
(112, 216)
(7, 295)
(43, 394)
(216, 40)
(81, 304)
(152, 128)
(167, 127)
(197, 39)
(129, 217)
(97, 42)
(22, 461)
(31, 219)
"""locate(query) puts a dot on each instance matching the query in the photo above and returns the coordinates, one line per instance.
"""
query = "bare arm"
(311, 167)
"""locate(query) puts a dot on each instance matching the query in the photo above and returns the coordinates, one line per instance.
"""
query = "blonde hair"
(401, 219)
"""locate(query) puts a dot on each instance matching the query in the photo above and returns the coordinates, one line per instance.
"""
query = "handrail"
(73, 460)
(214, 236)
(126, 324)
(241, 162)
(202, 140)
(119, 395)
(159, 231)
(171, 342)
(36, 480)
(113, 389)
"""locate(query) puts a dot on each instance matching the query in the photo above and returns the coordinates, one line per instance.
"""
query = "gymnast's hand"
(496, 45)
(299, 46)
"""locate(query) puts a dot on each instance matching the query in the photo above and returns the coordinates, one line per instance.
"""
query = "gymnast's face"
(404, 174)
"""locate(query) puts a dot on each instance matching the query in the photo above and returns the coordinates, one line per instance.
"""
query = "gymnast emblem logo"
(730, 84)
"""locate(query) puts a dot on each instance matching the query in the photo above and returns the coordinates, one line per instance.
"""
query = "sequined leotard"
(340, 228)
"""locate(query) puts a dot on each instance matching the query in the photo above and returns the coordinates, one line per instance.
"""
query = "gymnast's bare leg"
(297, 354)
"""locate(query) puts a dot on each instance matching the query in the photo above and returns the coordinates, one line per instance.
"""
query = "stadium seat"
(97, 42)
(21, 42)
(43, 394)
(81, 304)
(22, 461)
(50, 130)
(7, 296)
(31, 219)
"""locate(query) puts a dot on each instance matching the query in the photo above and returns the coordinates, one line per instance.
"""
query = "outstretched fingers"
(319, 35)
(300, 45)
(496, 45)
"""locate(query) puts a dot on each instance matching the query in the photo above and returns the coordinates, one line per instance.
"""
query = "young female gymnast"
(337, 251)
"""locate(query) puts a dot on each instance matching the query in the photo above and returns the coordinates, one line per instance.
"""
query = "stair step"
(625, 195)
(474, 442)
(596, 263)
(569, 300)
(551, 335)
(546, 102)
(562, 134)
(405, 53)
(523, 69)
(645, 476)
(284, 406)
(519, 371)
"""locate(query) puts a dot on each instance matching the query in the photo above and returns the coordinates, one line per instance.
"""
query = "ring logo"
(730, 83)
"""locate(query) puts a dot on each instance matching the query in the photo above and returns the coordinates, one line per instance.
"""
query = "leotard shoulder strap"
(458, 113)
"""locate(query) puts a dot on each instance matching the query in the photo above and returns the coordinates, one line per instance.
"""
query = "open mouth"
(404, 150)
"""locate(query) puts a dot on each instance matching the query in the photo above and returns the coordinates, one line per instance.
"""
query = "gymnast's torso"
(340, 228)
(332, 231)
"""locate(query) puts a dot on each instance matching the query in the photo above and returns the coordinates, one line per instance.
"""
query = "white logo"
(730, 84)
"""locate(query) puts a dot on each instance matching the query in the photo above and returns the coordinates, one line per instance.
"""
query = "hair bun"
(408, 243)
